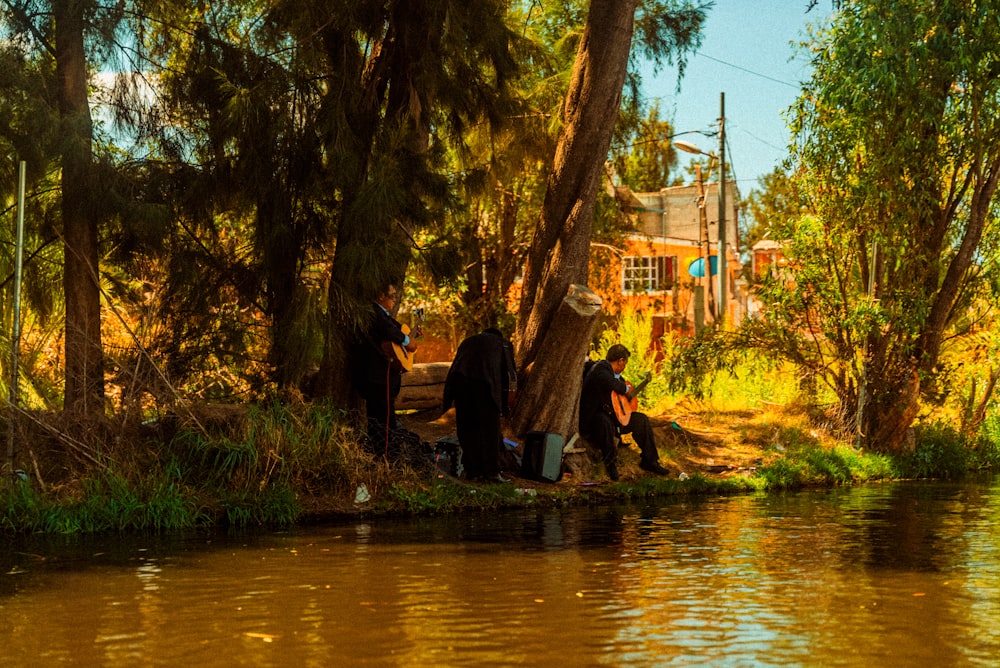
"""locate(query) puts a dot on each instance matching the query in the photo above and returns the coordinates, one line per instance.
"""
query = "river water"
(904, 574)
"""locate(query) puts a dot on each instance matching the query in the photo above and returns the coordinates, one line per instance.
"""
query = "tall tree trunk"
(84, 392)
(373, 248)
(894, 406)
(560, 250)
(280, 246)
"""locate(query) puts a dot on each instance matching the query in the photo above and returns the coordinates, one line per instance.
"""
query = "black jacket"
(372, 358)
(595, 397)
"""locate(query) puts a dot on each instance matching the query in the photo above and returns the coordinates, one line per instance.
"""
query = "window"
(643, 273)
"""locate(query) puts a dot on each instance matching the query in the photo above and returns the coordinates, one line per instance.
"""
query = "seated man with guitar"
(607, 411)
(386, 351)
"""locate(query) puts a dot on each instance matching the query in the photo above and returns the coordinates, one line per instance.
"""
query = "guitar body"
(401, 358)
(626, 404)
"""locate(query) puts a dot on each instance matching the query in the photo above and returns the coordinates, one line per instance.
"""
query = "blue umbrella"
(697, 268)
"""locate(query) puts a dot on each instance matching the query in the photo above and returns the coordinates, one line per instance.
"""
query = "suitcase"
(542, 459)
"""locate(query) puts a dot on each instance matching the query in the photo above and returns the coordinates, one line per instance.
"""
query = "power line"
(743, 69)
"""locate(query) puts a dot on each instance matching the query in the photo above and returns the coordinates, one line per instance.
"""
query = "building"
(661, 266)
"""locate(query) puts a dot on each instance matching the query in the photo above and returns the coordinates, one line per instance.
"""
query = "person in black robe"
(480, 383)
(600, 425)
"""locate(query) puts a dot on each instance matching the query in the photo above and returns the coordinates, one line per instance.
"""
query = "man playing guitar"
(381, 377)
(599, 422)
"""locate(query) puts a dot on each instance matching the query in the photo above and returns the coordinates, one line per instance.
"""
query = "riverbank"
(287, 463)
(690, 439)
(706, 450)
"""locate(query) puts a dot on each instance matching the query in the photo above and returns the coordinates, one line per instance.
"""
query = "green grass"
(255, 467)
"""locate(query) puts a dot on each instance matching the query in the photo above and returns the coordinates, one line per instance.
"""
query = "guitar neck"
(634, 392)
(418, 322)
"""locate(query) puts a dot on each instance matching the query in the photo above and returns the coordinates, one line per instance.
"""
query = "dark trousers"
(380, 404)
(603, 434)
(477, 420)
(642, 434)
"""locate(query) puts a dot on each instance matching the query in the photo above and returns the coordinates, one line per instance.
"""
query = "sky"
(749, 52)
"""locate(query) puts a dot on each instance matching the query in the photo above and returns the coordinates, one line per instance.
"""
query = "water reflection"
(897, 574)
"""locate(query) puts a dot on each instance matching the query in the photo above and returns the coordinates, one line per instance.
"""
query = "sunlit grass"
(258, 465)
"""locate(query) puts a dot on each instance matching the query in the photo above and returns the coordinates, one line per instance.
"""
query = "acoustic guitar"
(625, 404)
(400, 358)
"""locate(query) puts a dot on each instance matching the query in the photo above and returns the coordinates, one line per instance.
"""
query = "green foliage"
(249, 470)
(755, 380)
(273, 505)
(797, 458)
(811, 466)
(108, 502)
(895, 133)
(440, 498)
(313, 446)
(647, 164)
(21, 506)
(782, 474)
(777, 202)
(985, 450)
(845, 465)
(941, 452)
(696, 362)
(712, 364)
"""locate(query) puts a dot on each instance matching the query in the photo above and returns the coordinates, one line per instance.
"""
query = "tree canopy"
(230, 184)
(897, 156)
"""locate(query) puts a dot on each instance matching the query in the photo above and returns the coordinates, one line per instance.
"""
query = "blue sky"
(749, 51)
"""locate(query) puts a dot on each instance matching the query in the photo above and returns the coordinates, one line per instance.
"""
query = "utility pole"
(706, 248)
(723, 270)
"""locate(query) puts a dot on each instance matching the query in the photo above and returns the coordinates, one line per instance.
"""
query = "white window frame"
(648, 273)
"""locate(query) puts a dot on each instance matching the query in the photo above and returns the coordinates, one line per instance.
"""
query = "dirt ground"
(688, 441)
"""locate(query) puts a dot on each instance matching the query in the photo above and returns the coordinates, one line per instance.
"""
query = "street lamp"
(688, 147)
(692, 148)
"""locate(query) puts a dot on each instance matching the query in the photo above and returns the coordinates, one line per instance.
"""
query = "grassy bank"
(279, 465)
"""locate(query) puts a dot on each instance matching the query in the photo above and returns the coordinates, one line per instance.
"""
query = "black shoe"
(655, 468)
(612, 472)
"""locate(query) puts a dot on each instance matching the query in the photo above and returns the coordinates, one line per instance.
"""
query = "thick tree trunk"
(943, 306)
(894, 405)
(373, 248)
(891, 415)
(560, 250)
(280, 247)
(84, 392)
(549, 396)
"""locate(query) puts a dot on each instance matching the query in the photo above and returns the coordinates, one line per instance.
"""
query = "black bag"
(448, 455)
(542, 456)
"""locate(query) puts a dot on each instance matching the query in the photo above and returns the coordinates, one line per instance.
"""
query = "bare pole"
(15, 344)
(706, 248)
(723, 270)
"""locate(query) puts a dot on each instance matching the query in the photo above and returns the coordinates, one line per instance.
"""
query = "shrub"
(941, 452)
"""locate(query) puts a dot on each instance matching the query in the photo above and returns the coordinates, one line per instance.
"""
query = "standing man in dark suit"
(598, 422)
(480, 381)
(380, 373)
